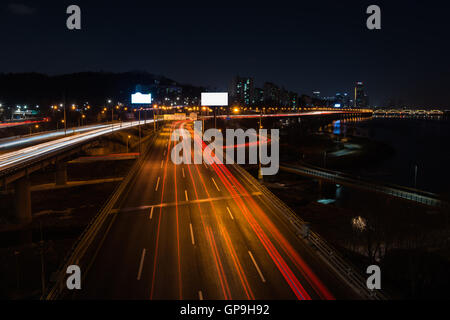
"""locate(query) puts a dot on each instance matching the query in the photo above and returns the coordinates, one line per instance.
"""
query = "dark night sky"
(316, 45)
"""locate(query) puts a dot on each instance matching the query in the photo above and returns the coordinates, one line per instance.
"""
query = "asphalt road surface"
(203, 232)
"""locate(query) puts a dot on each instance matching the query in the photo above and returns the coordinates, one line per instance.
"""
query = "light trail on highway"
(11, 159)
(207, 233)
(18, 141)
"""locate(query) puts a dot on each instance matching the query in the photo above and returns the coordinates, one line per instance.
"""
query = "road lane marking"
(229, 211)
(182, 169)
(192, 234)
(141, 264)
(200, 295)
(162, 163)
(257, 268)
(205, 165)
(151, 212)
(215, 184)
(181, 203)
(157, 184)
(185, 193)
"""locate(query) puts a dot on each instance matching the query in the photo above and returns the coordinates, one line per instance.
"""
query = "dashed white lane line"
(257, 268)
(185, 194)
(200, 295)
(229, 211)
(217, 187)
(192, 234)
(151, 212)
(141, 264)
(182, 169)
(157, 184)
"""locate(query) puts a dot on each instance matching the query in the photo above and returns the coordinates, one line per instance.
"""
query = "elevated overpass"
(405, 193)
(16, 166)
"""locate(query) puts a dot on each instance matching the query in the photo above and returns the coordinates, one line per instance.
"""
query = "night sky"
(315, 45)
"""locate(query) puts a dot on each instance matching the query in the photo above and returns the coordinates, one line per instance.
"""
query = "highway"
(202, 232)
(11, 124)
(14, 158)
(23, 141)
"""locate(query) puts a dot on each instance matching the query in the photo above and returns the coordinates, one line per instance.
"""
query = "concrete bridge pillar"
(22, 200)
(61, 174)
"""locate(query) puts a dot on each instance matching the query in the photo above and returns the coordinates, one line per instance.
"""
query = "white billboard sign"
(139, 98)
(214, 99)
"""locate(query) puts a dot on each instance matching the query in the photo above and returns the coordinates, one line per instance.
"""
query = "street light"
(127, 142)
(64, 121)
(112, 115)
(155, 107)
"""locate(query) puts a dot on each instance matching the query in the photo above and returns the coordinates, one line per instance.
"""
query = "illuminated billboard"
(214, 99)
(139, 98)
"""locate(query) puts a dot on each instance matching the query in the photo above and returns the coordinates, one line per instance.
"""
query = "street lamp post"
(139, 132)
(154, 117)
(203, 118)
(65, 122)
(112, 114)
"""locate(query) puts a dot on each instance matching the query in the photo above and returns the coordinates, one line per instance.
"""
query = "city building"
(293, 100)
(361, 98)
(241, 90)
(271, 94)
(342, 100)
(258, 97)
(284, 98)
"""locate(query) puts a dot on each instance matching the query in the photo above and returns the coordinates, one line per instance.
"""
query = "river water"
(424, 143)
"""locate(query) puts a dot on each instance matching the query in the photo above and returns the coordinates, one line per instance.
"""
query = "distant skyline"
(322, 45)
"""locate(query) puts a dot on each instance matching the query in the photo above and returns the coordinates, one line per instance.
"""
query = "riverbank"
(411, 243)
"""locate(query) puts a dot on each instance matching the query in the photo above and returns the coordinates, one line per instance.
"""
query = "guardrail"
(396, 191)
(90, 233)
(342, 267)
